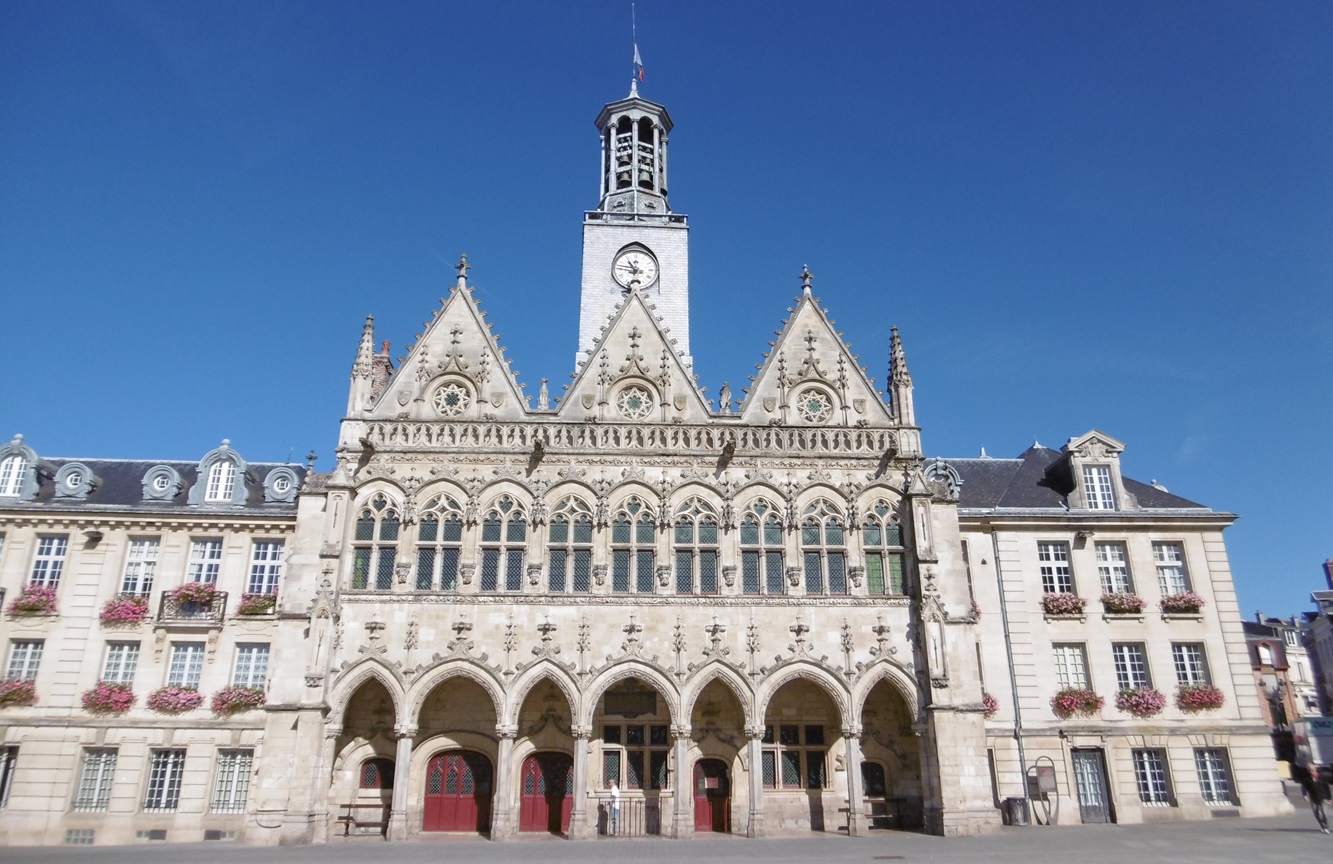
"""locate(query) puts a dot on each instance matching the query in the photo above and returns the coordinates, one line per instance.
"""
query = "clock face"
(634, 268)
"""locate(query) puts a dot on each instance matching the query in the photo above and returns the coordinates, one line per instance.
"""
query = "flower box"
(108, 697)
(257, 604)
(34, 600)
(1063, 603)
(17, 693)
(1184, 603)
(1081, 701)
(174, 700)
(1142, 702)
(203, 593)
(1122, 603)
(991, 704)
(1193, 698)
(193, 602)
(125, 610)
(976, 610)
(233, 700)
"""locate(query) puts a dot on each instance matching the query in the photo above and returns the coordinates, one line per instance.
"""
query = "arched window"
(632, 549)
(376, 774)
(504, 537)
(221, 481)
(376, 546)
(439, 545)
(761, 550)
(882, 541)
(11, 476)
(569, 548)
(1265, 654)
(823, 549)
(696, 548)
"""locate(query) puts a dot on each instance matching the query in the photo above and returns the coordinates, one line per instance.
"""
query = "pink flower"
(1193, 698)
(257, 604)
(232, 700)
(1184, 603)
(1082, 701)
(202, 593)
(1141, 702)
(174, 700)
(991, 704)
(1063, 603)
(1122, 602)
(34, 600)
(17, 693)
(125, 609)
(108, 697)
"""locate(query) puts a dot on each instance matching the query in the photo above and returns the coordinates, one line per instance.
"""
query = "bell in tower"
(634, 138)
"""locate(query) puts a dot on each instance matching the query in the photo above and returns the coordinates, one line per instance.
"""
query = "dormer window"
(11, 476)
(221, 481)
(1097, 487)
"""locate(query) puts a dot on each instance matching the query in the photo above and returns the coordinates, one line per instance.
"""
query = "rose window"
(634, 403)
(814, 406)
(452, 400)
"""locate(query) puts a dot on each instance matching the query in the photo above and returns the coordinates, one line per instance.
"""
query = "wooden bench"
(364, 816)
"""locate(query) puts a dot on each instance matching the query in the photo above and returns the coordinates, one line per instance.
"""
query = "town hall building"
(624, 609)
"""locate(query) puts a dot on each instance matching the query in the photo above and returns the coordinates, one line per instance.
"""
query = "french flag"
(638, 64)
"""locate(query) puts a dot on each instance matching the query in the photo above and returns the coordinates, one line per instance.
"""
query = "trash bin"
(1016, 811)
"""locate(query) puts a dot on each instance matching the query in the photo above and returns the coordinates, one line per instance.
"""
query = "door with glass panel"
(1094, 794)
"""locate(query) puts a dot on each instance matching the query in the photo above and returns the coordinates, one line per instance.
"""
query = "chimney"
(382, 368)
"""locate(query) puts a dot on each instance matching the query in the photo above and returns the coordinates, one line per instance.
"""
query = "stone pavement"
(1219, 841)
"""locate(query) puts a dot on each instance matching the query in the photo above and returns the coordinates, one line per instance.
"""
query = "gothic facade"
(628, 609)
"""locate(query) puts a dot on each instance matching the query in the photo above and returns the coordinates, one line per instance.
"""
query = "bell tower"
(633, 241)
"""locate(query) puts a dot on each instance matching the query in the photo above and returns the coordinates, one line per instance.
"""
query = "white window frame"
(1131, 665)
(1098, 491)
(163, 792)
(251, 666)
(231, 786)
(96, 776)
(122, 661)
(1057, 577)
(48, 561)
(221, 481)
(265, 567)
(187, 664)
(1152, 776)
(1071, 665)
(1191, 663)
(25, 656)
(1113, 567)
(1214, 770)
(1173, 575)
(9, 757)
(11, 476)
(140, 565)
(205, 560)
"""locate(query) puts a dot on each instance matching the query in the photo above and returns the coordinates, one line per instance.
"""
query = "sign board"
(1313, 737)
(1042, 782)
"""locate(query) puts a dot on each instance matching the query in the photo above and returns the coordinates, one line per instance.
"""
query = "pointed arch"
(716, 670)
(900, 679)
(821, 677)
(455, 668)
(622, 671)
(543, 670)
(352, 679)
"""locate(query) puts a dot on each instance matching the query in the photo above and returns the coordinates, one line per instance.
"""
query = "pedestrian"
(615, 809)
(1314, 785)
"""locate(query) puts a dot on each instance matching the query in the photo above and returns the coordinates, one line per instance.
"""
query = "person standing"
(1314, 784)
(615, 809)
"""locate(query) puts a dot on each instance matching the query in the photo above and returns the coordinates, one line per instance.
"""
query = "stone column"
(402, 775)
(578, 816)
(657, 156)
(607, 167)
(682, 819)
(756, 748)
(502, 804)
(856, 816)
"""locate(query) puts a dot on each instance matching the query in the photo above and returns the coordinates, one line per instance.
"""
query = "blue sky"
(1112, 216)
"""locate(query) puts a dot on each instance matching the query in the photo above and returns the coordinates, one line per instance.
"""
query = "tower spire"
(363, 369)
(900, 381)
(637, 72)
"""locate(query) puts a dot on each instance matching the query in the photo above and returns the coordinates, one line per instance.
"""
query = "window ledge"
(1080, 616)
(1122, 616)
(1182, 616)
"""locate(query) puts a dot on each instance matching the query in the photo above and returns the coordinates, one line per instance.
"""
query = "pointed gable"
(455, 371)
(634, 374)
(811, 378)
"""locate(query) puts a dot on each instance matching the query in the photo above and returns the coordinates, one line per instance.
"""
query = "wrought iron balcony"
(175, 611)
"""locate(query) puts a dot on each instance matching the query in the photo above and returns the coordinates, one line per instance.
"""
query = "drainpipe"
(1013, 679)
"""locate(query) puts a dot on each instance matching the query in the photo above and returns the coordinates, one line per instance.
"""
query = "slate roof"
(1039, 479)
(120, 487)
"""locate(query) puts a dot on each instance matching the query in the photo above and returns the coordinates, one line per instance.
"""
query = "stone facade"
(627, 609)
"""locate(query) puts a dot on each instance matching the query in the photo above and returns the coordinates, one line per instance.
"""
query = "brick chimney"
(382, 368)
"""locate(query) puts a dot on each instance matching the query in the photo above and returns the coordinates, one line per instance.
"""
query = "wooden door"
(712, 796)
(458, 792)
(547, 796)
(1094, 796)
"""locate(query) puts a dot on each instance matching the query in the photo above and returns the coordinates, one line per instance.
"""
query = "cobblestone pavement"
(1220, 841)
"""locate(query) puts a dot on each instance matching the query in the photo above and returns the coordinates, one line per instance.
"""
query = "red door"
(712, 796)
(458, 792)
(548, 793)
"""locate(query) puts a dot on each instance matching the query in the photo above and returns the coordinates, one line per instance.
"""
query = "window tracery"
(634, 402)
(632, 552)
(376, 545)
(569, 549)
(451, 399)
(761, 550)
(823, 549)
(813, 405)
(439, 544)
(696, 548)
(882, 544)
(504, 537)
